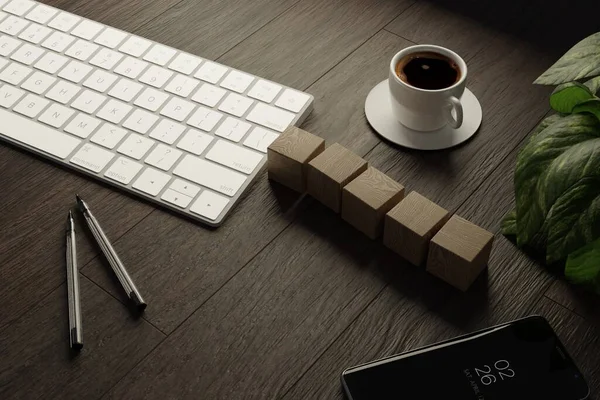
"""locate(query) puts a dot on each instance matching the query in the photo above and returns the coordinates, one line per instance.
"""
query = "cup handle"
(454, 104)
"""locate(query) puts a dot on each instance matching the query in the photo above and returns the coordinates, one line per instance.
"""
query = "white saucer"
(379, 114)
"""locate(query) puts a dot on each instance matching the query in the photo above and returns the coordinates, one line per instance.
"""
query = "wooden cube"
(289, 154)
(330, 171)
(459, 252)
(410, 226)
(367, 199)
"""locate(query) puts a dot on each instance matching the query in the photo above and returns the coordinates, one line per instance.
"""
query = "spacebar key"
(211, 175)
(36, 135)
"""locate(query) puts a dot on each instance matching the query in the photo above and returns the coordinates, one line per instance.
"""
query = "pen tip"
(70, 214)
(78, 198)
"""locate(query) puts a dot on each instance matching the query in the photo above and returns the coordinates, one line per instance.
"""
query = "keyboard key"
(56, 115)
(19, 7)
(92, 157)
(13, 25)
(106, 58)
(35, 33)
(270, 117)
(205, 119)
(135, 46)
(184, 188)
(64, 21)
(114, 111)
(82, 50)
(58, 42)
(209, 205)
(167, 131)
(135, 146)
(195, 142)
(151, 181)
(177, 109)
(9, 96)
(209, 95)
(110, 38)
(182, 85)
(264, 91)
(160, 54)
(36, 135)
(292, 100)
(109, 136)
(260, 139)
(82, 125)
(209, 174)
(163, 157)
(125, 90)
(123, 170)
(140, 121)
(211, 72)
(75, 71)
(88, 102)
(63, 92)
(131, 67)
(31, 105)
(185, 63)
(237, 81)
(151, 99)
(27, 54)
(233, 129)
(87, 29)
(51, 62)
(178, 199)
(38, 82)
(233, 156)
(41, 14)
(100, 80)
(235, 104)
(8, 45)
(156, 76)
(14, 74)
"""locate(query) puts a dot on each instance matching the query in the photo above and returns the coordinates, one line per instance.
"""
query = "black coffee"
(428, 70)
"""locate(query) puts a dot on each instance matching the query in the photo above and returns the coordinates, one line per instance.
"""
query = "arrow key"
(185, 188)
(176, 198)
(209, 205)
(151, 181)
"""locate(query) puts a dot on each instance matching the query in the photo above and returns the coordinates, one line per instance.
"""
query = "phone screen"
(520, 360)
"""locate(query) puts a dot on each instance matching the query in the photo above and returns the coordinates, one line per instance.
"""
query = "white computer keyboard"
(184, 132)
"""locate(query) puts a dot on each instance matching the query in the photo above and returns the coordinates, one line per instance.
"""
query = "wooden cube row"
(414, 227)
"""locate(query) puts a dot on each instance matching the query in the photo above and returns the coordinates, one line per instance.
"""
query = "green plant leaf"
(509, 224)
(569, 193)
(568, 95)
(593, 84)
(546, 122)
(581, 61)
(591, 106)
(531, 179)
(583, 265)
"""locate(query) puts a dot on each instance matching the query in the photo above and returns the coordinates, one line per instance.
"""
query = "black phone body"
(518, 360)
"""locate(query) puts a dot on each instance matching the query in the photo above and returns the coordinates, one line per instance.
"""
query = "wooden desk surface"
(285, 295)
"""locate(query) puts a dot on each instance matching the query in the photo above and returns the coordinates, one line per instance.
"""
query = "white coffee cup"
(422, 109)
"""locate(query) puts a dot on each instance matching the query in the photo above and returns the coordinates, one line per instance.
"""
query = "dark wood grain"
(298, 47)
(36, 197)
(211, 28)
(36, 359)
(282, 297)
(178, 264)
(416, 309)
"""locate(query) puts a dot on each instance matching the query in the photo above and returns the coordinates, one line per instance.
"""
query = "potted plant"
(557, 175)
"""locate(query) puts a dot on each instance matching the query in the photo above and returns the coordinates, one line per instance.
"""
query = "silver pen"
(75, 328)
(111, 256)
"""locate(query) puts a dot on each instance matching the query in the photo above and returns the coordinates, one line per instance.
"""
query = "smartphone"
(519, 360)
